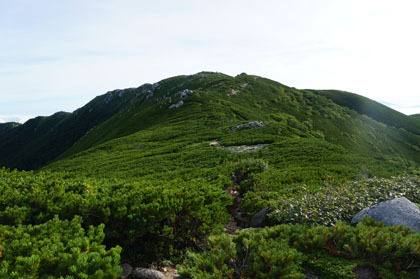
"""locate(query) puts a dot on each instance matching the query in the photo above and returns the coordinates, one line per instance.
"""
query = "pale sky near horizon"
(58, 55)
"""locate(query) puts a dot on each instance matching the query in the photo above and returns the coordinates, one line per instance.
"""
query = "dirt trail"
(238, 219)
(232, 226)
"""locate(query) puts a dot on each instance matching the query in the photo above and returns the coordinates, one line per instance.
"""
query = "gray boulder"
(252, 124)
(260, 219)
(399, 211)
(184, 94)
(147, 273)
(177, 105)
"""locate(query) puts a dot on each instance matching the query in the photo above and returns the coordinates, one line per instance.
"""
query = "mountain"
(373, 109)
(42, 139)
(415, 116)
(168, 127)
(159, 168)
(5, 127)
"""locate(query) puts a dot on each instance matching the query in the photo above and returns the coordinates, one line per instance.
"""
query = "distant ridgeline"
(167, 127)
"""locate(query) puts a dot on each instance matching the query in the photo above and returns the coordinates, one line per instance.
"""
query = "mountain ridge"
(217, 102)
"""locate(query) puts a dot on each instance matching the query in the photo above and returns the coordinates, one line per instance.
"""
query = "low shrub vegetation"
(158, 219)
(290, 251)
(56, 249)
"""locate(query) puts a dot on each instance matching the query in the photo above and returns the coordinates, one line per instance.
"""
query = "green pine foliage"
(288, 251)
(157, 219)
(56, 249)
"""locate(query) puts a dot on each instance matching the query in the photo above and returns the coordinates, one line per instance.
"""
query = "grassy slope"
(308, 136)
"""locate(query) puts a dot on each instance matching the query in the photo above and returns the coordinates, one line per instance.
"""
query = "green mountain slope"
(165, 165)
(373, 109)
(42, 139)
(415, 116)
(6, 127)
(167, 128)
(307, 138)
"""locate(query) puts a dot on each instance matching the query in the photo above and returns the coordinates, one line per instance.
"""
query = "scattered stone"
(252, 124)
(234, 92)
(149, 94)
(399, 211)
(108, 98)
(366, 272)
(243, 148)
(260, 219)
(126, 271)
(177, 105)
(147, 273)
(184, 94)
(244, 85)
(214, 144)
(239, 148)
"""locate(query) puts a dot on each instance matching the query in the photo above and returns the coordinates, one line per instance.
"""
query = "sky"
(58, 55)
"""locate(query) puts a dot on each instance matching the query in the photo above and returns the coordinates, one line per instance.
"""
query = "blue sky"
(58, 55)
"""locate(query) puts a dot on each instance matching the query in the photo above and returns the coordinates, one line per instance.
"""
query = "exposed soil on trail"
(238, 219)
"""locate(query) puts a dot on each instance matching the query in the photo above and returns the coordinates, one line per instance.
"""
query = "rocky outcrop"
(184, 94)
(177, 105)
(243, 148)
(147, 273)
(252, 124)
(149, 94)
(260, 219)
(399, 211)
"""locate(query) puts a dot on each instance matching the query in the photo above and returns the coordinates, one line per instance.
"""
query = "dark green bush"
(243, 258)
(56, 249)
(158, 219)
(285, 251)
